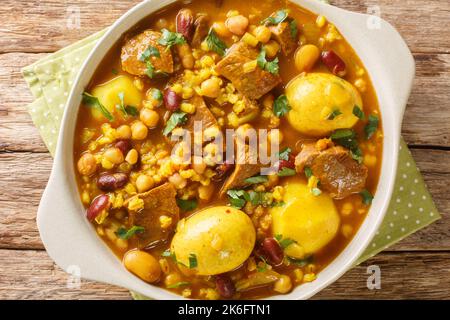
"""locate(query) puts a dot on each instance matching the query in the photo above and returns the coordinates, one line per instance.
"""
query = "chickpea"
(171, 279)
(306, 57)
(198, 165)
(162, 24)
(144, 183)
(221, 29)
(272, 47)
(178, 181)
(132, 156)
(113, 155)
(262, 33)
(87, 164)
(138, 131)
(123, 132)
(143, 265)
(211, 88)
(237, 24)
(283, 284)
(149, 117)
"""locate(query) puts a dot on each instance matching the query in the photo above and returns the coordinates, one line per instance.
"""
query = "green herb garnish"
(334, 114)
(269, 66)
(276, 18)
(316, 191)
(284, 154)
(347, 139)
(256, 179)
(114, 71)
(125, 234)
(371, 126)
(170, 39)
(294, 29)
(236, 198)
(192, 261)
(301, 262)
(126, 110)
(264, 267)
(149, 52)
(214, 43)
(286, 172)
(93, 102)
(367, 197)
(178, 284)
(284, 242)
(308, 172)
(357, 111)
(187, 205)
(281, 106)
(177, 118)
(157, 94)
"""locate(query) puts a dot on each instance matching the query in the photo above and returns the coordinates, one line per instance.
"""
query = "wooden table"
(417, 267)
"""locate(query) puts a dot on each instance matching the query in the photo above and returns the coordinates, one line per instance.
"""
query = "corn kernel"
(309, 277)
(187, 92)
(207, 61)
(272, 47)
(347, 208)
(85, 198)
(250, 66)
(298, 273)
(360, 84)
(278, 193)
(165, 221)
(187, 107)
(135, 204)
(320, 21)
(107, 164)
(177, 88)
(138, 84)
(347, 230)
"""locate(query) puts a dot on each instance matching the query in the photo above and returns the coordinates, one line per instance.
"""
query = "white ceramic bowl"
(70, 239)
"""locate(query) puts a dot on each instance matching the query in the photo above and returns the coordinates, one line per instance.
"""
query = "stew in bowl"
(225, 150)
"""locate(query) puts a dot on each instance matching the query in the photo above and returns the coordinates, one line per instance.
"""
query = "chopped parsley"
(149, 52)
(286, 172)
(316, 191)
(187, 205)
(178, 284)
(269, 66)
(263, 267)
(177, 118)
(236, 198)
(125, 234)
(93, 102)
(125, 109)
(308, 172)
(170, 39)
(214, 43)
(334, 114)
(256, 179)
(357, 111)
(366, 196)
(284, 242)
(371, 126)
(294, 29)
(301, 262)
(284, 154)
(281, 106)
(276, 18)
(347, 139)
(114, 71)
(192, 261)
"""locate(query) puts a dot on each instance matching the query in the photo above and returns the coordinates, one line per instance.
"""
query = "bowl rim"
(88, 252)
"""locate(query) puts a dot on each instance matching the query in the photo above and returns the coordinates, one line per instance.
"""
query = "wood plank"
(51, 21)
(425, 107)
(403, 276)
(24, 183)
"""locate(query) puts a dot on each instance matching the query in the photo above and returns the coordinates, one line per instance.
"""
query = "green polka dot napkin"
(50, 80)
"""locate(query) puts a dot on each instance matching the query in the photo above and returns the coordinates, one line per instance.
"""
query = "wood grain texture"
(26, 181)
(426, 122)
(51, 21)
(32, 275)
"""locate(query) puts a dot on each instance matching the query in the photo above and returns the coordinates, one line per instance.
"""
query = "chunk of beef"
(202, 114)
(201, 28)
(135, 47)
(283, 35)
(253, 84)
(159, 201)
(338, 172)
(246, 166)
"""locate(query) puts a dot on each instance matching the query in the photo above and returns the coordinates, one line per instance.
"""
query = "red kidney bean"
(290, 163)
(172, 101)
(97, 206)
(111, 182)
(225, 286)
(272, 251)
(124, 146)
(222, 170)
(185, 23)
(334, 63)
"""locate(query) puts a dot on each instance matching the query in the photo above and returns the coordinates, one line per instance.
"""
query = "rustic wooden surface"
(417, 267)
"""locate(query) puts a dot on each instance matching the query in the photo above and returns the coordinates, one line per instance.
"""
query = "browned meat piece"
(252, 84)
(338, 173)
(243, 169)
(202, 114)
(282, 34)
(133, 49)
(201, 28)
(158, 201)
